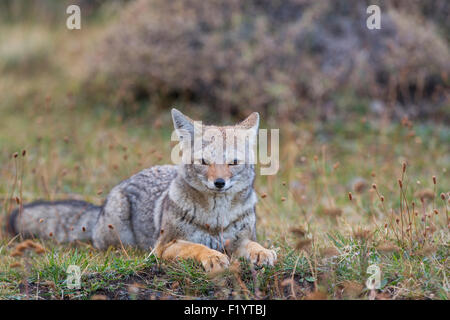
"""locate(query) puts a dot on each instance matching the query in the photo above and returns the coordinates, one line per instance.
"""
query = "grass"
(325, 241)
(70, 153)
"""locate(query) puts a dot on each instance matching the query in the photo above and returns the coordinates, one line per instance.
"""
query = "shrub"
(285, 57)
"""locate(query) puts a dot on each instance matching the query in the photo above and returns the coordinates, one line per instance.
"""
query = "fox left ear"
(251, 122)
(182, 122)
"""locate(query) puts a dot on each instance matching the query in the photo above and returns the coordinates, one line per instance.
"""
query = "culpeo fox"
(203, 210)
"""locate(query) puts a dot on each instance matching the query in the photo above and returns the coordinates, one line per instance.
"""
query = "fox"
(203, 209)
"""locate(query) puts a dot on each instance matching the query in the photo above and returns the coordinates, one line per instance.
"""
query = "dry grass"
(70, 153)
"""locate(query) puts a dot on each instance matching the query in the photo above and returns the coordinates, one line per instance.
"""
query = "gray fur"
(63, 221)
(158, 204)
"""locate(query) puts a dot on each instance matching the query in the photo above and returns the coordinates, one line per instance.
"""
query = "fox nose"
(219, 183)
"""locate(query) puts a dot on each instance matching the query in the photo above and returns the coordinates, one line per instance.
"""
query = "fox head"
(217, 159)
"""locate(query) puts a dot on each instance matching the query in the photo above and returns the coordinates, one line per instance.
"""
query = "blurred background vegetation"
(289, 59)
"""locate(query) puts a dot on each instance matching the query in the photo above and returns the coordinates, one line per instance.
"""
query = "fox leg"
(212, 260)
(256, 253)
(113, 226)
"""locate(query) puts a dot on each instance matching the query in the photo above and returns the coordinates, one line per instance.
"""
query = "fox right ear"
(182, 123)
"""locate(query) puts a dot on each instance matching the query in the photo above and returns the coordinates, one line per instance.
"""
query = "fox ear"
(182, 123)
(251, 122)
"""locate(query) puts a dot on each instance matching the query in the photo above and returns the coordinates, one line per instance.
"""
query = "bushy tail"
(64, 221)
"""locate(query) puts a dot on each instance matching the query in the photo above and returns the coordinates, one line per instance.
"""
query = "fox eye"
(204, 162)
(234, 163)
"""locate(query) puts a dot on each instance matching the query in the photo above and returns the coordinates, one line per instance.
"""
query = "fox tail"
(64, 221)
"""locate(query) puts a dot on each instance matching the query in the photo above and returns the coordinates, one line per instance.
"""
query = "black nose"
(219, 183)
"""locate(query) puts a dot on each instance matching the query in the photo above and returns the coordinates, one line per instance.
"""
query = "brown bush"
(279, 57)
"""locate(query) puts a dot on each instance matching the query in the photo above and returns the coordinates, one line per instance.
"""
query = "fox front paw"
(257, 254)
(214, 261)
(263, 256)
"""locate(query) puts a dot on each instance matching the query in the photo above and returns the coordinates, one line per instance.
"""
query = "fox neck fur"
(213, 210)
